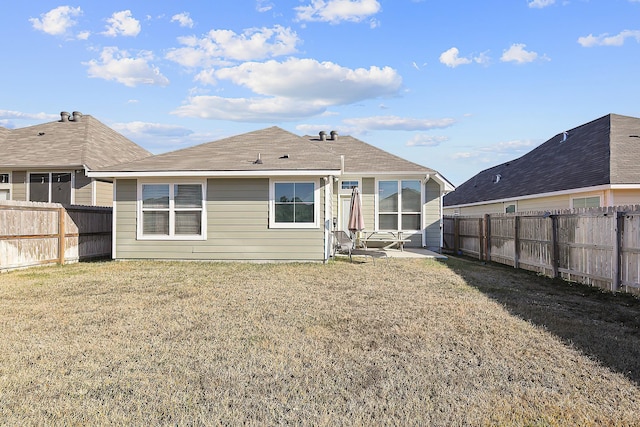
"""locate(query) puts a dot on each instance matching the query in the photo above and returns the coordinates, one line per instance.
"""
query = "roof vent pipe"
(334, 135)
(64, 116)
(323, 136)
(77, 115)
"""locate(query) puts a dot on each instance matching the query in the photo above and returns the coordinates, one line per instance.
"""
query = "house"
(49, 162)
(592, 165)
(266, 195)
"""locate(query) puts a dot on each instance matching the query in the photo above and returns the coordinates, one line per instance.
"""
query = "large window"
(294, 204)
(171, 211)
(587, 202)
(54, 187)
(399, 205)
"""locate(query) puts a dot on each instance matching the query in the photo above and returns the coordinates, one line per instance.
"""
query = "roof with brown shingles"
(85, 142)
(603, 151)
(362, 157)
(278, 149)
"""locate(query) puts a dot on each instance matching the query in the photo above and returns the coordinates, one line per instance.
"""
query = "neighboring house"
(49, 162)
(592, 165)
(266, 195)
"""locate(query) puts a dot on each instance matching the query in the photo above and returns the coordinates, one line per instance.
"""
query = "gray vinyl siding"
(432, 215)
(368, 197)
(83, 194)
(18, 185)
(104, 193)
(237, 228)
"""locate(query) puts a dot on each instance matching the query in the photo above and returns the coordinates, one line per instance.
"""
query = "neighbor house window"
(510, 209)
(171, 211)
(5, 187)
(587, 202)
(54, 187)
(399, 205)
(294, 204)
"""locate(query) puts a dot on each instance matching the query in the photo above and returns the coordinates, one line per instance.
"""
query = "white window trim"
(294, 225)
(348, 191)
(50, 172)
(171, 236)
(399, 213)
(586, 197)
(505, 205)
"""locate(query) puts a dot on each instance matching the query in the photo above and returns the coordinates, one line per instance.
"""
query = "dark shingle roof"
(67, 144)
(596, 153)
(278, 150)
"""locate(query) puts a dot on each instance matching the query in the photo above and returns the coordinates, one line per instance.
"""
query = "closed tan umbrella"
(356, 220)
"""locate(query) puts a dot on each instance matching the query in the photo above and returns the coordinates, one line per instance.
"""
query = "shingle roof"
(596, 153)
(67, 144)
(277, 148)
(363, 157)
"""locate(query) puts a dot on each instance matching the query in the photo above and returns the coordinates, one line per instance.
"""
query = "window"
(171, 211)
(5, 187)
(510, 209)
(54, 187)
(587, 202)
(349, 185)
(294, 205)
(399, 205)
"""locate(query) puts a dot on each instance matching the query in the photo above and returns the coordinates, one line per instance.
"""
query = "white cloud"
(316, 82)
(336, 11)
(607, 40)
(117, 65)
(451, 58)
(18, 115)
(247, 109)
(500, 150)
(263, 6)
(122, 23)
(83, 35)
(221, 45)
(398, 123)
(144, 129)
(423, 140)
(539, 4)
(57, 21)
(183, 19)
(517, 53)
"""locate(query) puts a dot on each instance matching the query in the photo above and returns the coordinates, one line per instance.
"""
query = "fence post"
(516, 241)
(555, 246)
(487, 237)
(617, 252)
(481, 239)
(456, 235)
(61, 234)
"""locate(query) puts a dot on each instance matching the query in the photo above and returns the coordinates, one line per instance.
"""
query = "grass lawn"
(404, 342)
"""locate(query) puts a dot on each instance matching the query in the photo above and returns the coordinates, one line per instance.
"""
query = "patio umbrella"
(356, 220)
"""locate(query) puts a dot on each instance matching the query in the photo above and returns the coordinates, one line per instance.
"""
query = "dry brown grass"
(408, 342)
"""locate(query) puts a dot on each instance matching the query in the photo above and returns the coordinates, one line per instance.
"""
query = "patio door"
(345, 206)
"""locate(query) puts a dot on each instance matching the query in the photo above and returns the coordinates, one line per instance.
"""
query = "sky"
(454, 85)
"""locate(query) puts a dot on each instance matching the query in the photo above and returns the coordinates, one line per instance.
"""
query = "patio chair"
(344, 244)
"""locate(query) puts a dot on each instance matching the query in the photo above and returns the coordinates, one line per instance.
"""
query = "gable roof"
(603, 151)
(363, 158)
(74, 143)
(277, 149)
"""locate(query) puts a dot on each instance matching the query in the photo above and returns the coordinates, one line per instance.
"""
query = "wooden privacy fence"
(45, 233)
(599, 246)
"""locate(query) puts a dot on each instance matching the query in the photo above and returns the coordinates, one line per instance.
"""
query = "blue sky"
(457, 86)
